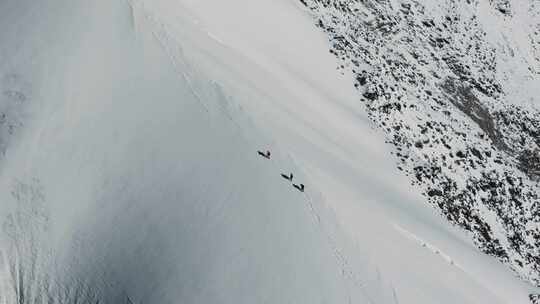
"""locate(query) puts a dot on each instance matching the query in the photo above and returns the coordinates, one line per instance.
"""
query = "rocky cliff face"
(454, 85)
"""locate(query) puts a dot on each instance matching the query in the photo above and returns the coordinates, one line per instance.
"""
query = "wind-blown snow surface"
(130, 168)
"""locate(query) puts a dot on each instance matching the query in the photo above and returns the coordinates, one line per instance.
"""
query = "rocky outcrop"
(432, 78)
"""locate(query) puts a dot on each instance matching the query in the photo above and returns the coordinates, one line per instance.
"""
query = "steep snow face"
(455, 86)
(132, 175)
(137, 181)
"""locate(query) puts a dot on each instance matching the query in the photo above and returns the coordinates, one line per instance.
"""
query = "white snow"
(142, 126)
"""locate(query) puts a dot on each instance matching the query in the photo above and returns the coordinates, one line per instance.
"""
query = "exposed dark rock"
(434, 192)
(464, 99)
(371, 95)
(529, 162)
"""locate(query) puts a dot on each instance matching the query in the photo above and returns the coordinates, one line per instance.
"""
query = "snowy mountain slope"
(454, 85)
(141, 191)
(134, 172)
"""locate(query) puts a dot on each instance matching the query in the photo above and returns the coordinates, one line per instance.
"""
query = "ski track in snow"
(434, 249)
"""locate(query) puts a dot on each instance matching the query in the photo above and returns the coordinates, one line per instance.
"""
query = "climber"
(289, 177)
(299, 187)
(265, 154)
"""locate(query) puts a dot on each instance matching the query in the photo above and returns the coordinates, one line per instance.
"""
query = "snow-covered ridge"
(455, 86)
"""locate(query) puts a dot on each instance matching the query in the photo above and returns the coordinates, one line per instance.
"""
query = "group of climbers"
(264, 154)
(299, 187)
